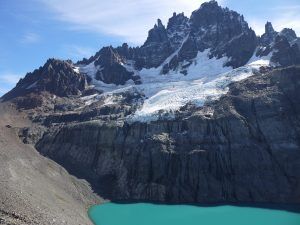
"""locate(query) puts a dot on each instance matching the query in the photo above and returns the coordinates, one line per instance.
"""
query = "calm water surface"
(151, 214)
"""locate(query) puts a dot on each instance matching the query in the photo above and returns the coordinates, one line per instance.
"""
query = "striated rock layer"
(243, 148)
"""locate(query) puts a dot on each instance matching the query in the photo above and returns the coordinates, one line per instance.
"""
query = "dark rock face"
(283, 46)
(298, 42)
(246, 151)
(177, 29)
(222, 31)
(289, 34)
(56, 77)
(225, 32)
(285, 54)
(110, 63)
(156, 48)
(126, 51)
(269, 36)
(111, 70)
(188, 51)
(157, 34)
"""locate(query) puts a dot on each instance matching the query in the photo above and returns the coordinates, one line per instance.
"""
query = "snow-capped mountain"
(191, 60)
(205, 111)
(225, 34)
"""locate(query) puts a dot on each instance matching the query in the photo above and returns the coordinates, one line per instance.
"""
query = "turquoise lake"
(152, 214)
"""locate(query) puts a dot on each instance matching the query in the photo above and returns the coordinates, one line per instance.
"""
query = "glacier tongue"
(207, 79)
(166, 101)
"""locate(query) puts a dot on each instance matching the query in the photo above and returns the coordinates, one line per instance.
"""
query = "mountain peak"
(159, 23)
(157, 34)
(211, 13)
(211, 3)
(290, 34)
(269, 28)
(177, 20)
(59, 77)
(177, 15)
(269, 36)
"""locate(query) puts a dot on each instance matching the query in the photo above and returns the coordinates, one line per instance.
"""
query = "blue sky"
(32, 31)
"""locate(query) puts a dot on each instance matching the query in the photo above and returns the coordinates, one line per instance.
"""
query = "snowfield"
(206, 80)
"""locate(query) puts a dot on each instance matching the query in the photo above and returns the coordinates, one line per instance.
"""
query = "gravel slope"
(34, 189)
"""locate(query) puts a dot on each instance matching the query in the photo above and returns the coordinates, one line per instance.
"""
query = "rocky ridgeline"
(173, 48)
(55, 77)
(223, 31)
(284, 46)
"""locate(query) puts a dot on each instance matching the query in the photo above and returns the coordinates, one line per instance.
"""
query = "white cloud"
(30, 38)
(130, 19)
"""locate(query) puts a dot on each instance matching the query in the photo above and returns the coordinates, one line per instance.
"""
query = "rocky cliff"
(242, 148)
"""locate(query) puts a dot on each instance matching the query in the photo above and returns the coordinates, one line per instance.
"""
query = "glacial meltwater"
(152, 214)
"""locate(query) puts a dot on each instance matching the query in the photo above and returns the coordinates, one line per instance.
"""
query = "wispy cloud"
(257, 25)
(10, 78)
(286, 16)
(285, 7)
(78, 52)
(3, 90)
(30, 37)
(8, 81)
(130, 20)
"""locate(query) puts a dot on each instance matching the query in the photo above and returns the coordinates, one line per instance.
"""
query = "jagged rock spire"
(159, 23)
(157, 34)
(269, 36)
(269, 28)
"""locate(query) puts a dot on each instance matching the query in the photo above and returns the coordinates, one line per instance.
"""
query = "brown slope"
(34, 189)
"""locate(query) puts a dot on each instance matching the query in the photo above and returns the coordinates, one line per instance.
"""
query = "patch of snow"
(196, 92)
(257, 61)
(175, 53)
(88, 100)
(295, 41)
(91, 70)
(201, 68)
(109, 100)
(89, 97)
(206, 80)
(31, 85)
(76, 69)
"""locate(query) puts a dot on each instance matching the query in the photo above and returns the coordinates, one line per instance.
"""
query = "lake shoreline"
(290, 207)
(141, 213)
